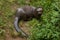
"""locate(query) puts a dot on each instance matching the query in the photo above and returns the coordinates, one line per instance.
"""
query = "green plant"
(48, 28)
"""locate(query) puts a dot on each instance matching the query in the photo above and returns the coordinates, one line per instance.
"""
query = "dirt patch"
(23, 26)
(9, 25)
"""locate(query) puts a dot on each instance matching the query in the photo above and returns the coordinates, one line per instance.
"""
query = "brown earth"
(9, 23)
(23, 27)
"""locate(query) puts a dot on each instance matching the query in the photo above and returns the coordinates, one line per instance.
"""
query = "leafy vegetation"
(47, 28)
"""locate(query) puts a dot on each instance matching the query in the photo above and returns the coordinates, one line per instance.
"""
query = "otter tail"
(17, 28)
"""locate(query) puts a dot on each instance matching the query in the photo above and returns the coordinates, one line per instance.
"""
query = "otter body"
(26, 13)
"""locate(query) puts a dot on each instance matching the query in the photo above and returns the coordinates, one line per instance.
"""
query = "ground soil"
(23, 27)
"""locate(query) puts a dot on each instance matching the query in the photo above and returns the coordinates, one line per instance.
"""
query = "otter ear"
(39, 9)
